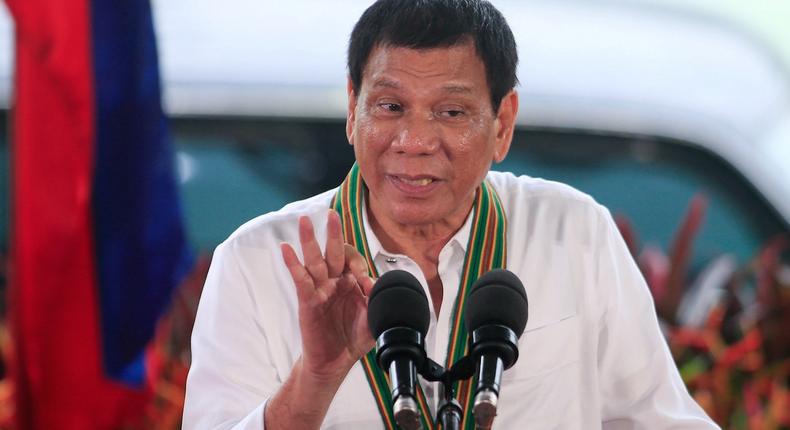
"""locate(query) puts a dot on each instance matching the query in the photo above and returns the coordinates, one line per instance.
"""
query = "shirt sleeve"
(232, 374)
(639, 382)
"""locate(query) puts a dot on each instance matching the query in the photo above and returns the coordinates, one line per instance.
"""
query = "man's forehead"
(458, 64)
(384, 82)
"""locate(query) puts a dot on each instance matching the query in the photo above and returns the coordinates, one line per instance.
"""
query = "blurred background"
(675, 114)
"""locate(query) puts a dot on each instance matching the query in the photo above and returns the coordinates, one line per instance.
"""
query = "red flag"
(72, 272)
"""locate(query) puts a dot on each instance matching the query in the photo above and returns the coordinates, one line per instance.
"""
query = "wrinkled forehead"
(461, 42)
(454, 69)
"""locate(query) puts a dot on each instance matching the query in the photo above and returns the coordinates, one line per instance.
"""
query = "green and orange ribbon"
(487, 250)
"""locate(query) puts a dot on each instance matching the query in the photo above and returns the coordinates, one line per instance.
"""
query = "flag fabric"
(97, 241)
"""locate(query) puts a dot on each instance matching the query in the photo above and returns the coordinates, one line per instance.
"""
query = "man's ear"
(352, 109)
(505, 124)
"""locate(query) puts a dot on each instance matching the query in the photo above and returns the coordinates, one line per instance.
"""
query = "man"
(280, 340)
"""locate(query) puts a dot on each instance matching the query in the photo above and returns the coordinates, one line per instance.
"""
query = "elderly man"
(281, 339)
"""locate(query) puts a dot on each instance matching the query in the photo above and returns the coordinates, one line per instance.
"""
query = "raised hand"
(332, 290)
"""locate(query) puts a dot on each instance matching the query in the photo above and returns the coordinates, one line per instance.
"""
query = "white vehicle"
(640, 106)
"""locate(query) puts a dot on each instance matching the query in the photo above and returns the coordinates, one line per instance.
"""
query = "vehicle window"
(651, 183)
(233, 170)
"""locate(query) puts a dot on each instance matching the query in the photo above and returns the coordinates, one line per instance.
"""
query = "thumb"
(367, 283)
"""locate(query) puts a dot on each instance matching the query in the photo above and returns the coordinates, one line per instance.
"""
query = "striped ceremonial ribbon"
(487, 250)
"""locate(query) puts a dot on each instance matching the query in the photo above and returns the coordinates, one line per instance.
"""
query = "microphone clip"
(450, 412)
(495, 339)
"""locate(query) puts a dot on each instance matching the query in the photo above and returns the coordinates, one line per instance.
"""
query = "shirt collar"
(460, 240)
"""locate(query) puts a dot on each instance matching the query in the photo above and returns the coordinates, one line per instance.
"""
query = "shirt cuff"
(253, 420)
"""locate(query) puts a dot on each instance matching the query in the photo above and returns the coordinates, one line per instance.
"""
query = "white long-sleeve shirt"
(592, 355)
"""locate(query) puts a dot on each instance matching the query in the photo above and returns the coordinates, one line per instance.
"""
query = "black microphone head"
(397, 300)
(497, 297)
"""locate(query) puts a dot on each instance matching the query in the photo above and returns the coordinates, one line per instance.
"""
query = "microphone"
(398, 317)
(496, 314)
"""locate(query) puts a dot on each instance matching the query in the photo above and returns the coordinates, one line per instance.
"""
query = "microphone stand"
(450, 412)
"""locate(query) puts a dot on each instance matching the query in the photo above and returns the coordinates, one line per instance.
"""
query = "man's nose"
(419, 134)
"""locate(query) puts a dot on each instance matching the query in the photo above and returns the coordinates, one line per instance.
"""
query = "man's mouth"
(414, 185)
(416, 182)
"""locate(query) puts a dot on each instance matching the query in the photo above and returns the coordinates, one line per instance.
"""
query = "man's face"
(424, 131)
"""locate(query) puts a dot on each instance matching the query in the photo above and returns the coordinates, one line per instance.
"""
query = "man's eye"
(391, 107)
(452, 113)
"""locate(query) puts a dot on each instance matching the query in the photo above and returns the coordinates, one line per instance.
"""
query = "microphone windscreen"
(397, 300)
(497, 297)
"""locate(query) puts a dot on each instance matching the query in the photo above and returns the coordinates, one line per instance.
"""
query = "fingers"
(359, 268)
(313, 258)
(334, 245)
(366, 283)
(303, 281)
(320, 273)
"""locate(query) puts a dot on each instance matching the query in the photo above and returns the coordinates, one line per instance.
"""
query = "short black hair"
(424, 24)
